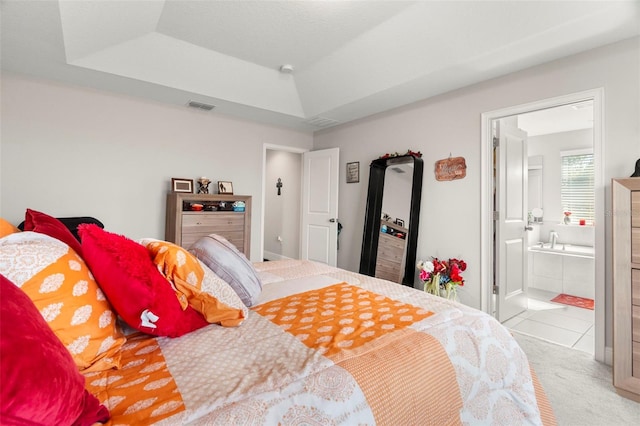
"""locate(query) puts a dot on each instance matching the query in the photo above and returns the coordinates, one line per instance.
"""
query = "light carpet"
(579, 388)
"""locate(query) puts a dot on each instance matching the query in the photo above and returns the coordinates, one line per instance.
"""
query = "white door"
(319, 236)
(511, 224)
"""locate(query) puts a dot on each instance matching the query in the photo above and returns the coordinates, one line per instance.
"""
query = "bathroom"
(561, 262)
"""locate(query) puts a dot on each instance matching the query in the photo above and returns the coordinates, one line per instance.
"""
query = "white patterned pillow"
(61, 286)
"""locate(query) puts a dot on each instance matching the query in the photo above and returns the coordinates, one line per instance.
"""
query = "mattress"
(328, 346)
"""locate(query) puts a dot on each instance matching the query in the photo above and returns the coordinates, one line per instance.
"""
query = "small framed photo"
(182, 185)
(353, 172)
(399, 222)
(225, 187)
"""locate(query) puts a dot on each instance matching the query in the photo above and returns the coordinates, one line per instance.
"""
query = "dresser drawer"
(635, 245)
(235, 238)
(635, 326)
(635, 287)
(636, 360)
(195, 223)
(228, 225)
(635, 209)
(388, 270)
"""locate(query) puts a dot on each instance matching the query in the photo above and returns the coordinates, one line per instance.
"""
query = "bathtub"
(564, 249)
(565, 268)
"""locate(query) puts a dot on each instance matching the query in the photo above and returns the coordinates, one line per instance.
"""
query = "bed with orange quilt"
(325, 346)
(310, 344)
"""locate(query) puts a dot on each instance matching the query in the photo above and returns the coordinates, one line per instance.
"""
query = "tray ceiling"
(350, 59)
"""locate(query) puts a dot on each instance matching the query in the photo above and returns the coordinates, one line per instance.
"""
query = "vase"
(433, 286)
(567, 220)
(450, 291)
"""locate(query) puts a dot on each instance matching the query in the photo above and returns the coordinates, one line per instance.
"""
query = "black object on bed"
(72, 223)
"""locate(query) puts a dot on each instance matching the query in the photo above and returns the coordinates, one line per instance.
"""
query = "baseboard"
(274, 256)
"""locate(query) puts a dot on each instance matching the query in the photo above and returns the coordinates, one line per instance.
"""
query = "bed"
(322, 345)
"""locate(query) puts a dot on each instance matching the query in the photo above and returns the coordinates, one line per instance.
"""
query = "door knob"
(333, 220)
(528, 228)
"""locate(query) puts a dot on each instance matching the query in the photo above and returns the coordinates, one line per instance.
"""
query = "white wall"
(71, 151)
(450, 124)
(282, 212)
(549, 147)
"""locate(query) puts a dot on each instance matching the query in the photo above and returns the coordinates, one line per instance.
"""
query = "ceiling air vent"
(200, 105)
(321, 122)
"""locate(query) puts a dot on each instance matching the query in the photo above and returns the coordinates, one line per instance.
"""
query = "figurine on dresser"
(637, 172)
(203, 182)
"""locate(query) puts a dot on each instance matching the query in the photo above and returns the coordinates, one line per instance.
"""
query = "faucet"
(553, 238)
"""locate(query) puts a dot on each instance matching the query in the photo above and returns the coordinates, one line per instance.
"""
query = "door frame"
(274, 147)
(486, 214)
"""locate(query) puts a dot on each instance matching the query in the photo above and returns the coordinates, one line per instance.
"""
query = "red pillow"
(135, 287)
(43, 223)
(40, 382)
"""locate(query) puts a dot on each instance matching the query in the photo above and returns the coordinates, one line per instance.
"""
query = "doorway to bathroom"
(561, 216)
(547, 270)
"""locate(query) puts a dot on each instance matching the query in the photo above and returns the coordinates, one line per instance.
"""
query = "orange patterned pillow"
(195, 284)
(6, 228)
(64, 291)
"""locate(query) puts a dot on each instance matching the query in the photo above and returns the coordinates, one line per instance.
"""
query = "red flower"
(454, 274)
(461, 264)
(439, 266)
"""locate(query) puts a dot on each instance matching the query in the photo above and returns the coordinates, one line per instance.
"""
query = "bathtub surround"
(568, 266)
(567, 269)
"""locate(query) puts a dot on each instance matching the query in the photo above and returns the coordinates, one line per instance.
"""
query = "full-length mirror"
(391, 219)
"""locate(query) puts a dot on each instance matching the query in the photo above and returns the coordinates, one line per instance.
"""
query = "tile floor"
(562, 324)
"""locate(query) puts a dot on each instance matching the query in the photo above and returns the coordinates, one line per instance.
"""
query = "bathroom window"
(577, 187)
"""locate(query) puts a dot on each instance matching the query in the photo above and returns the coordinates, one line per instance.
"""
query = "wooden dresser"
(391, 249)
(185, 226)
(626, 286)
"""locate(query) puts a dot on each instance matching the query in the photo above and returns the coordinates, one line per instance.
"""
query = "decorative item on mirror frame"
(182, 185)
(353, 172)
(225, 187)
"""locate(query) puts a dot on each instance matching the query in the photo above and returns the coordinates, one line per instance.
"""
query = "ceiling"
(350, 59)
(564, 118)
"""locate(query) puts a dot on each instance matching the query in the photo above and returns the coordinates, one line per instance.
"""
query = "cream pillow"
(61, 286)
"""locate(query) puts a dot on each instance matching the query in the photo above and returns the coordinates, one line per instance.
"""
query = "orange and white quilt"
(327, 346)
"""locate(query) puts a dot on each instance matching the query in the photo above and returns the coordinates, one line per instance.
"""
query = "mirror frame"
(373, 213)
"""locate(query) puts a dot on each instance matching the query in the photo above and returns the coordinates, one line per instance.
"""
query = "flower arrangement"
(441, 276)
(567, 218)
(416, 154)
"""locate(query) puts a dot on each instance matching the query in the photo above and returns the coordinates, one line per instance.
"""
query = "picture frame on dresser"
(225, 187)
(182, 185)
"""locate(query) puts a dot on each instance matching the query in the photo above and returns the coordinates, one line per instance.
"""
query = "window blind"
(577, 186)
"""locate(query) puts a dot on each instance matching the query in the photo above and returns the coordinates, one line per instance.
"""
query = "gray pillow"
(228, 263)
